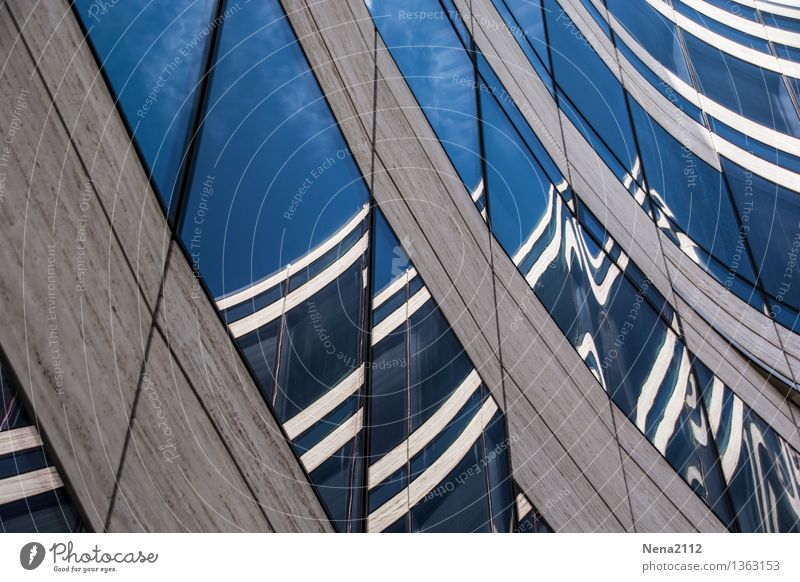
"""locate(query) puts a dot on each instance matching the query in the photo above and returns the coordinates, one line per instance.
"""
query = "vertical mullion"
(366, 332)
(176, 213)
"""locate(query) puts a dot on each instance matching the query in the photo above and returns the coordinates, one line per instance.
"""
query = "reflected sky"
(153, 53)
(440, 73)
(273, 176)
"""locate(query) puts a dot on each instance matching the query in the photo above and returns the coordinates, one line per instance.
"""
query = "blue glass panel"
(23, 462)
(257, 303)
(415, 285)
(47, 512)
(790, 53)
(400, 526)
(498, 472)
(337, 480)
(690, 193)
(391, 260)
(458, 22)
(632, 352)
(388, 488)
(493, 86)
(326, 425)
(751, 91)
(778, 21)
(762, 470)
(752, 145)
(389, 306)
(320, 344)
(518, 188)
(438, 363)
(304, 275)
(438, 69)
(773, 231)
(459, 503)
(50, 512)
(598, 145)
(598, 18)
(525, 20)
(654, 32)
(388, 398)
(403, 397)
(713, 25)
(153, 54)
(736, 9)
(260, 348)
(660, 85)
(589, 84)
(447, 436)
(273, 177)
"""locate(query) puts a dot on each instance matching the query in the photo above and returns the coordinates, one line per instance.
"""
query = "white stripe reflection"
(398, 505)
(277, 308)
(306, 418)
(394, 459)
(268, 283)
(342, 435)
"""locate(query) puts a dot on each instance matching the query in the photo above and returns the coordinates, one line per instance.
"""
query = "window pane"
(654, 32)
(518, 188)
(153, 54)
(273, 177)
(751, 91)
(439, 71)
(773, 231)
(762, 470)
(462, 505)
(499, 474)
(525, 20)
(691, 194)
(438, 362)
(589, 84)
(337, 481)
(320, 344)
(51, 511)
(260, 349)
(388, 398)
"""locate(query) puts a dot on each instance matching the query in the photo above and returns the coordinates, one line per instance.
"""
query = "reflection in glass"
(693, 206)
(587, 82)
(751, 91)
(762, 470)
(153, 54)
(431, 419)
(654, 32)
(273, 177)
(773, 232)
(437, 68)
(49, 508)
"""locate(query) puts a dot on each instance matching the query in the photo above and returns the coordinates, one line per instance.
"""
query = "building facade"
(400, 265)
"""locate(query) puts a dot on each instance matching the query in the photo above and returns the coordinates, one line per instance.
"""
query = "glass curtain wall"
(619, 324)
(375, 393)
(32, 495)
